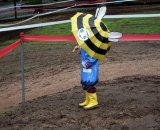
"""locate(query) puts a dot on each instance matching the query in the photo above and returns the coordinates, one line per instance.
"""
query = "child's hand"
(75, 48)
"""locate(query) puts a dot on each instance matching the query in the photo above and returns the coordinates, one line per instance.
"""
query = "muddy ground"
(128, 90)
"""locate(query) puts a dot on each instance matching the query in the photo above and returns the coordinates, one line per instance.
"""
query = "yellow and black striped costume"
(97, 45)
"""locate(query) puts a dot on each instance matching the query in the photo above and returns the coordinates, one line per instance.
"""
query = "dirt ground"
(128, 89)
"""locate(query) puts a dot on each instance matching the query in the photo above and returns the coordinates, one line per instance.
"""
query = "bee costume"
(95, 41)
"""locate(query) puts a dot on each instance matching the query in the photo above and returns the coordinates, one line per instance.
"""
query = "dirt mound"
(127, 103)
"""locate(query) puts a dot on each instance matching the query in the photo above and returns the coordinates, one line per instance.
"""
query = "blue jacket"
(89, 69)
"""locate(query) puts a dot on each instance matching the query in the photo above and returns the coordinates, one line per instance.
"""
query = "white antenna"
(114, 36)
(100, 12)
(97, 10)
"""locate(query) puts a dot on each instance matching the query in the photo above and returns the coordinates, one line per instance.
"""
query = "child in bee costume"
(89, 76)
(90, 70)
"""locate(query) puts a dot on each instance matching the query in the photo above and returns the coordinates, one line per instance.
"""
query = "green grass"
(125, 26)
(62, 29)
(7, 42)
(132, 25)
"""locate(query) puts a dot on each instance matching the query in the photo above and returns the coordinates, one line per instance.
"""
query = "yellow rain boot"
(93, 102)
(86, 100)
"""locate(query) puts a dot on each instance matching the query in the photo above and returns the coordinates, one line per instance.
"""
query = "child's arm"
(75, 48)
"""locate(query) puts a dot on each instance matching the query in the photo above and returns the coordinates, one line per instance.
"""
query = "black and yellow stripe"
(97, 45)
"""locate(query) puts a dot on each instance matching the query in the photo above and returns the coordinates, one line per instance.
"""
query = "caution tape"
(32, 26)
(69, 38)
(140, 37)
(131, 16)
(124, 38)
(49, 38)
(9, 48)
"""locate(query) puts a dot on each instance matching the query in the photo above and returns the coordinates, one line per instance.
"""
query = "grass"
(125, 26)
(62, 29)
(132, 25)
(7, 42)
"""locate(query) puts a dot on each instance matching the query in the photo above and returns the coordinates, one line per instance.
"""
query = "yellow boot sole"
(89, 108)
(82, 105)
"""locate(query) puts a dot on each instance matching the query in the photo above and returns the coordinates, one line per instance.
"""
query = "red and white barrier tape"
(140, 37)
(126, 37)
(49, 38)
(9, 48)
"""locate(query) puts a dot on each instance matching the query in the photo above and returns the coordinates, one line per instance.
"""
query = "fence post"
(22, 67)
(15, 9)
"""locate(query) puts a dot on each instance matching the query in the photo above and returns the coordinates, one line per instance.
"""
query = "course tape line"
(131, 16)
(32, 26)
(69, 38)
(140, 37)
(49, 38)
(9, 48)
(125, 37)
